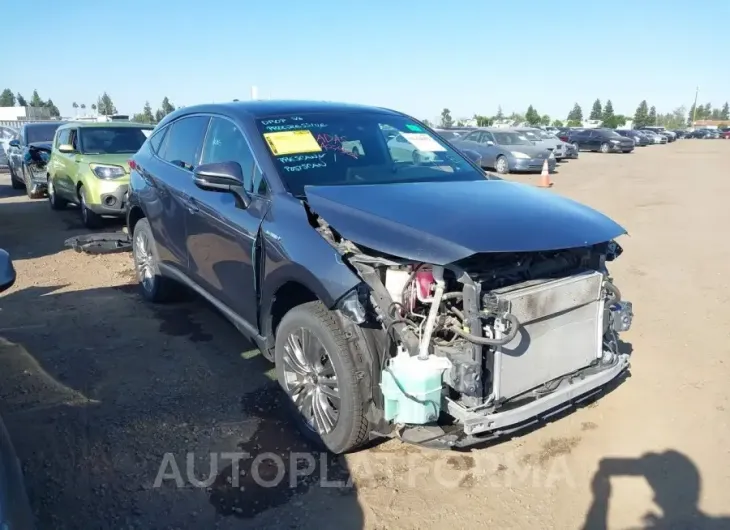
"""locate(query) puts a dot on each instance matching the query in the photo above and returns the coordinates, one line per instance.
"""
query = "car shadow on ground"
(129, 415)
(26, 224)
(675, 481)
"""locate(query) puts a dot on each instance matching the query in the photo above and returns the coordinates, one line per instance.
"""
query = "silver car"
(505, 150)
(544, 139)
(6, 134)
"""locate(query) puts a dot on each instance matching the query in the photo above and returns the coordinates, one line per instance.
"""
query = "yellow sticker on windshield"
(292, 142)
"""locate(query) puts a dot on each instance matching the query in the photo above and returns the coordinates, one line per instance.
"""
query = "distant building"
(710, 124)
(24, 113)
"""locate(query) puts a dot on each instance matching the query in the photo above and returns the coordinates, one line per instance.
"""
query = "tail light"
(132, 164)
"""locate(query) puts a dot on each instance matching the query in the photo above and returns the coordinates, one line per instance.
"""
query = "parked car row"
(399, 289)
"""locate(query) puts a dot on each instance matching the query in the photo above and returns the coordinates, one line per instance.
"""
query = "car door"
(63, 166)
(172, 181)
(14, 154)
(222, 234)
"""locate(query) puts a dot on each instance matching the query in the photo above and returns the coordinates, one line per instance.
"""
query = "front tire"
(605, 148)
(501, 165)
(14, 182)
(314, 367)
(155, 288)
(89, 218)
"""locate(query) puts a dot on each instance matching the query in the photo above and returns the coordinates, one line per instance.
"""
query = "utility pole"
(694, 108)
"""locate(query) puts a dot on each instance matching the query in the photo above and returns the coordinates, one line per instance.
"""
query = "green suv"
(89, 166)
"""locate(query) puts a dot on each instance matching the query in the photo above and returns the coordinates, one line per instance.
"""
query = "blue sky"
(417, 56)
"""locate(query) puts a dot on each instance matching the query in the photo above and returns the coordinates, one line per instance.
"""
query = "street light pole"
(694, 108)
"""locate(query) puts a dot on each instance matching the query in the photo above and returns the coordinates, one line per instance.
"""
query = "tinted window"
(111, 140)
(225, 143)
(473, 137)
(63, 137)
(185, 141)
(510, 138)
(339, 149)
(41, 132)
(157, 138)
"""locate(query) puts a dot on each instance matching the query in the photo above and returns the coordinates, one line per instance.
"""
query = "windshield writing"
(337, 149)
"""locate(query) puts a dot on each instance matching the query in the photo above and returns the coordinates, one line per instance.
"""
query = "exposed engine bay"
(495, 337)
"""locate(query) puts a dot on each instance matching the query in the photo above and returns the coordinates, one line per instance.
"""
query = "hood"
(443, 222)
(44, 146)
(113, 159)
(535, 151)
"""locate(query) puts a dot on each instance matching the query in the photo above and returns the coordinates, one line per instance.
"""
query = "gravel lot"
(97, 387)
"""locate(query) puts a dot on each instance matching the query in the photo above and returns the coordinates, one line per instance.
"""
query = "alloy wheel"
(143, 261)
(310, 380)
(501, 165)
(51, 192)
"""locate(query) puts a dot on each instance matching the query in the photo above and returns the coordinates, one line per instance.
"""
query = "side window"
(63, 137)
(259, 182)
(487, 137)
(225, 143)
(473, 136)
(185, 141)
(157, 139)
(74, 138)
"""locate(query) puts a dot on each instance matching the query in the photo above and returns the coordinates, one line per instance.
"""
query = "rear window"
(111, 140)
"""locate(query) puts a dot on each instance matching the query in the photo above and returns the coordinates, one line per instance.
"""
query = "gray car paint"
(489, 153)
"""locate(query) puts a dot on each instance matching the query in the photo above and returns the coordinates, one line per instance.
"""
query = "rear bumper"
(568, 393)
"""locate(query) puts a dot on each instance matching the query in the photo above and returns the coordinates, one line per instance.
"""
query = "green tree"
(147, 113)
(75, 107)
(500, 114)
(725, 112)
(21, 100)
(167, 107)
(446, 119)
(545, 120)
(159, 115)
(608, 117)
(707, 113)
(557, 123)
(576, 115)
(105, 105)
(691, 115)
(83, 106)
(596, 111)
(427, 123)
(641, 117)
(35, 100)
(7, 98)
(652, 115)
(482, 121)
(53, 109)
(532, 116)
(93, 107)
(674, 120)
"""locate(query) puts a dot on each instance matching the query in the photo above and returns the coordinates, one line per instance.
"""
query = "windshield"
(111, 140)
(531, 135)
(510, 138)
(610, 133)
(449, 135)
(41, 133)
(339, 149)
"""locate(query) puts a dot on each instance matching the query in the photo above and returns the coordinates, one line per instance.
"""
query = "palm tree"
(83, 107)
(93, 107)
(75, 106)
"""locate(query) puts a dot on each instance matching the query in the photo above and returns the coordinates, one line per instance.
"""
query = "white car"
(6, 134)
(403, 150)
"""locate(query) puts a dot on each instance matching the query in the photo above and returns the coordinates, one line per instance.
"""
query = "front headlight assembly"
(107, 172)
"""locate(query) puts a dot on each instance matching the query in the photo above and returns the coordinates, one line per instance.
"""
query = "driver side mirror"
(14, 143)
(66, 148)
(490, 142)
(7, 271)
(226, 177)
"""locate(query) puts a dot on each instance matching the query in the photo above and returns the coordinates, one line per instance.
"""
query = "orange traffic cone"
(545, 176)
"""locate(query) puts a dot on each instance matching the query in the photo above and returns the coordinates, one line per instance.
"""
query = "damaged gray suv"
(399, 290)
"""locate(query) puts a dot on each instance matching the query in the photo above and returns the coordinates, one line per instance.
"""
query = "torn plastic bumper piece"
(102, 243)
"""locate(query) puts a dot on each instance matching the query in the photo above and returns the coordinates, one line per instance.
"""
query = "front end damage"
(36, 160)
(489, 344)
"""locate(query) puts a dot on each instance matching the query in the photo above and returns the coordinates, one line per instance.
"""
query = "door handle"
(192, 207)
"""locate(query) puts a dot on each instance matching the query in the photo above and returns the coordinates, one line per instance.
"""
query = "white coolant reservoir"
(412, 388)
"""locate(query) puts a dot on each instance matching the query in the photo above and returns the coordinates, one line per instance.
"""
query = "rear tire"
(155, 288)
(327, 363)
(89, 218)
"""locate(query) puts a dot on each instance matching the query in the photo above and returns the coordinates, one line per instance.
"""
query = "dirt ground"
(106, 396)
